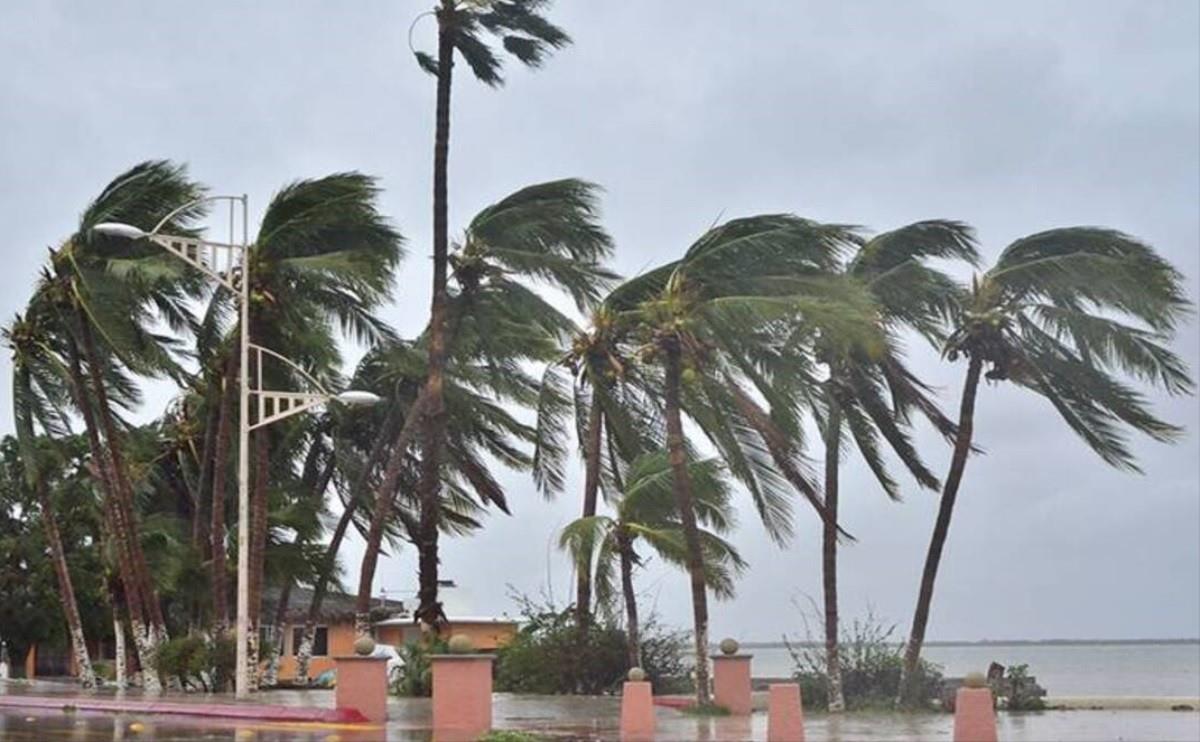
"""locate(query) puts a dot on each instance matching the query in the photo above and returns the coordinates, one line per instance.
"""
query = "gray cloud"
(1013, 117)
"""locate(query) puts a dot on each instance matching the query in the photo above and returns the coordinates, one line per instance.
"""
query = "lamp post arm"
(291, 364)
(194, 202)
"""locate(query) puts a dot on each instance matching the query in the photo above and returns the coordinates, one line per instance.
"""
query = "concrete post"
(785, 713)
(974, 715)
(362, 685)
(731, 682)
(462, 696)
(637, 712)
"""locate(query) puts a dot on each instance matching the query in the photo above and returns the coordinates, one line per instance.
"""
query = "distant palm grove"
(739, 378)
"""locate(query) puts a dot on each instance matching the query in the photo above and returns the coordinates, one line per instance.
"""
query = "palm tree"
(105, 296)
(1063, 313)
(323, 260)
(615, 419)
(721, 318)
(869, 399)
(545, 234)
(646, 512)
(39, 394)
(462, 27)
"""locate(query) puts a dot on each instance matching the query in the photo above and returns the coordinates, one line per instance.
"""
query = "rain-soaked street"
(565, 717)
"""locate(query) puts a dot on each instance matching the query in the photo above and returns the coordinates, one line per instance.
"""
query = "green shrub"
(708, 709)
(105, 670)
(1020, 691)
(551, 654)
(198, 662)
(872, 662)
(415, 677)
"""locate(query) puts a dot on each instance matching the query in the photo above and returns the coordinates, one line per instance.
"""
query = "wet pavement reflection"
(576, 718)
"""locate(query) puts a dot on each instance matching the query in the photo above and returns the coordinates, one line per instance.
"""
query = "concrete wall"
(487, 636)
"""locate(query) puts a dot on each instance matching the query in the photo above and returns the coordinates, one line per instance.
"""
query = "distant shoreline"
(999, 643)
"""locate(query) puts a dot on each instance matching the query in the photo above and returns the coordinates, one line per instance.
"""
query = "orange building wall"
(341, 641)
(487, 637)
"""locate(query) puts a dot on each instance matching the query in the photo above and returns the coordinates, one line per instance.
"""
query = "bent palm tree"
(615, 422)
(723, 318)
(462, 26)
(108, 294)
(868, 399)
(39, 394)
(546, 234)
(1064, 314)
(646, 511)
(322, 261)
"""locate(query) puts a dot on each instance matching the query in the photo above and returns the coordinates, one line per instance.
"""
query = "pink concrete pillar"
(462, 696)
(785, 714)
(362, 685)
(974, 715)
(731, 682)
(637, 712)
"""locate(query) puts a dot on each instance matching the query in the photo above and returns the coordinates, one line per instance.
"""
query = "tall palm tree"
(615, 417)
(721, 320)
(645, 512)
(322, 261)
(868, 399)
(39, 394)
(463, 26)
(1064, 314)
(544, 234)
(107, 297)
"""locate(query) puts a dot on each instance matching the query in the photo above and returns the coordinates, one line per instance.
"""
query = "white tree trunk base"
(304, 655)
(83, 662)
(147, 649)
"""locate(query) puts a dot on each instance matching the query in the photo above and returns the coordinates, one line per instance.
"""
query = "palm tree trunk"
(385, 497)
(217, 532)
(591, 488)
(103, 470)
(119, 667)
(633, 641)
(124, 488)
(829, 549)
(119, 651)
(83, 662)
(429, 610)
(681, 485)
(139, 625)
(271, 676)
(200, 539)
(962, 449)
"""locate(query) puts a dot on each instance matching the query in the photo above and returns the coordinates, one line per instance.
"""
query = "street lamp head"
(116, 229)
(356, 398)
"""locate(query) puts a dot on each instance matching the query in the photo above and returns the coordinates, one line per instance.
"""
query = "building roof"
(336, 607)
(406, 619)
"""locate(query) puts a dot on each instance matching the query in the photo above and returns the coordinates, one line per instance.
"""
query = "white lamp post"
(229, 265)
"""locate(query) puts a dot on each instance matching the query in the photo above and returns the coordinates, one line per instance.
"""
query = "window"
(320, 640)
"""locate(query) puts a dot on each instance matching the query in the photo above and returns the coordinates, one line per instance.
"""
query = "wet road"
(590, 718)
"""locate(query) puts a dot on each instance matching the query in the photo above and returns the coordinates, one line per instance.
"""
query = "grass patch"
(707, 709)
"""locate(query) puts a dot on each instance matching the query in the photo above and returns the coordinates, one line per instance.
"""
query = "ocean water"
(1062, 669)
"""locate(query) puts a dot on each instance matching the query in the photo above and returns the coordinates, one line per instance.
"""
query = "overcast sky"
(1014, 117)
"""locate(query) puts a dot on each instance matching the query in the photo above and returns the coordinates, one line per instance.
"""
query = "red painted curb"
(247, 711)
